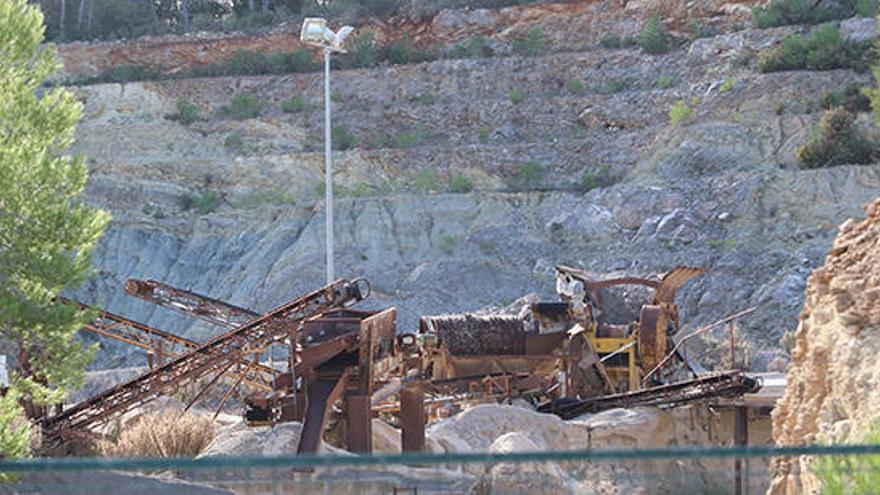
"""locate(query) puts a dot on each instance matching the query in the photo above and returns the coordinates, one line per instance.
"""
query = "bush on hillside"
(784, 12)
(851, 475)
(836, 141)
(680, 112)
(461, 184)
(787, 12)
(294, 104)
(475, 47)
(516, 96)
(654, 38)
(529, 175)
(166, 434)
(851, 97)
(613, 41)
(253, 63)
(531, 44)
(122, 74)
(823, 49)
(186, 113)
(362, 52)
(342, 139)
(242, 107)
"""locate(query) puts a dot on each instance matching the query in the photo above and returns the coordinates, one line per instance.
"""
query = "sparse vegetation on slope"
(242, 107)
(836, 141)
(823, 49)
(654, 37)
(186, 113)
(785, 12)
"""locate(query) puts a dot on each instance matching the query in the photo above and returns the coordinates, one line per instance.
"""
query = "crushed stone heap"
(833, 392)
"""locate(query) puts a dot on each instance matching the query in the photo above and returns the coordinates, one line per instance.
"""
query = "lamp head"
(316, 33)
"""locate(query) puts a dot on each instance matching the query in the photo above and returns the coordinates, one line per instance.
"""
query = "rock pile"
(833, 389)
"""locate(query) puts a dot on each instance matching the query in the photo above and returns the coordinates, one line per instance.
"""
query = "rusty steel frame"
(207, 358)
(191, 303)
(160, 343)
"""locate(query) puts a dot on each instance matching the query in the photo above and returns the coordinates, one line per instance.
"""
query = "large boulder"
(833, 389)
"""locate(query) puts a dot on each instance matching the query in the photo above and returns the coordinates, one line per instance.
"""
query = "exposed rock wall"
(833, 392)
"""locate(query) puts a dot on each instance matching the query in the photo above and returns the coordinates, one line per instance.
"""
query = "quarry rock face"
(833, 388)
(453, 196)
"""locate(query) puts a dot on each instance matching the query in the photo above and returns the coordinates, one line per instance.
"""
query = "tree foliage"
(47, 235)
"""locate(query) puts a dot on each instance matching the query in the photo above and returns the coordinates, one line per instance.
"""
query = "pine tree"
(47, 234)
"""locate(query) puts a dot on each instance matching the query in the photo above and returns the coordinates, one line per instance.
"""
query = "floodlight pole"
(328, 172)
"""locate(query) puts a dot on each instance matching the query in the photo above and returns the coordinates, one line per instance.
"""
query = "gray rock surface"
(721, 190)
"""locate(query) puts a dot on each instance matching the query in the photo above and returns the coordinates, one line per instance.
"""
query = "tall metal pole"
(328, 160)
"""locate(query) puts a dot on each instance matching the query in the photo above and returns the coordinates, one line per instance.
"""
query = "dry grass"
(168, 433)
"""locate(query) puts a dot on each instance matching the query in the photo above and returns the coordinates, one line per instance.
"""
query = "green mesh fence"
(668, 470)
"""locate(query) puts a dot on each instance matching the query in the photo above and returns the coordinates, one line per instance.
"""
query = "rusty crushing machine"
(345, 366)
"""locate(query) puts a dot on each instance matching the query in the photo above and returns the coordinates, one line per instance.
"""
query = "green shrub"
(403, 51)
(516, 96)
(601, 177)
(273, 197)
(204, 202)
(242, 107)
(409, 139)
(342, 139)
(614, 86)
(867, 8)
(233, 141)
(359, 190)
(823, 49)
(654, 38)
(484, 133)
(447, 244)
(836, 141)
(531, 44)
(377, 142)
(665, 82)
(575, 87)
(851, 97)
(362, 52)
(613, 41)
(787, 12)
(424, 182)
(424, 99)
(700, 30)
(124, 73)
(294, 104)
(726, 86)
(461, 184)
(529, 175)
(186, 114)
(680, 112)
(783, 12)
(154, 211)
(850, 475)
(250, 63)
(475, 47)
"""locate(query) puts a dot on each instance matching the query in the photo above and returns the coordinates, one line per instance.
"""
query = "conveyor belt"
(724, 385)
(214, 355)
(163, 344)
(205, 307)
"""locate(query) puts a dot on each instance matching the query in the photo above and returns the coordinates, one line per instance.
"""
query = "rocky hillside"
(466, 180)
(832, 393)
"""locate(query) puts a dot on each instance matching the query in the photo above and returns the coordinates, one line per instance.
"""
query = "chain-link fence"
(839, 469)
